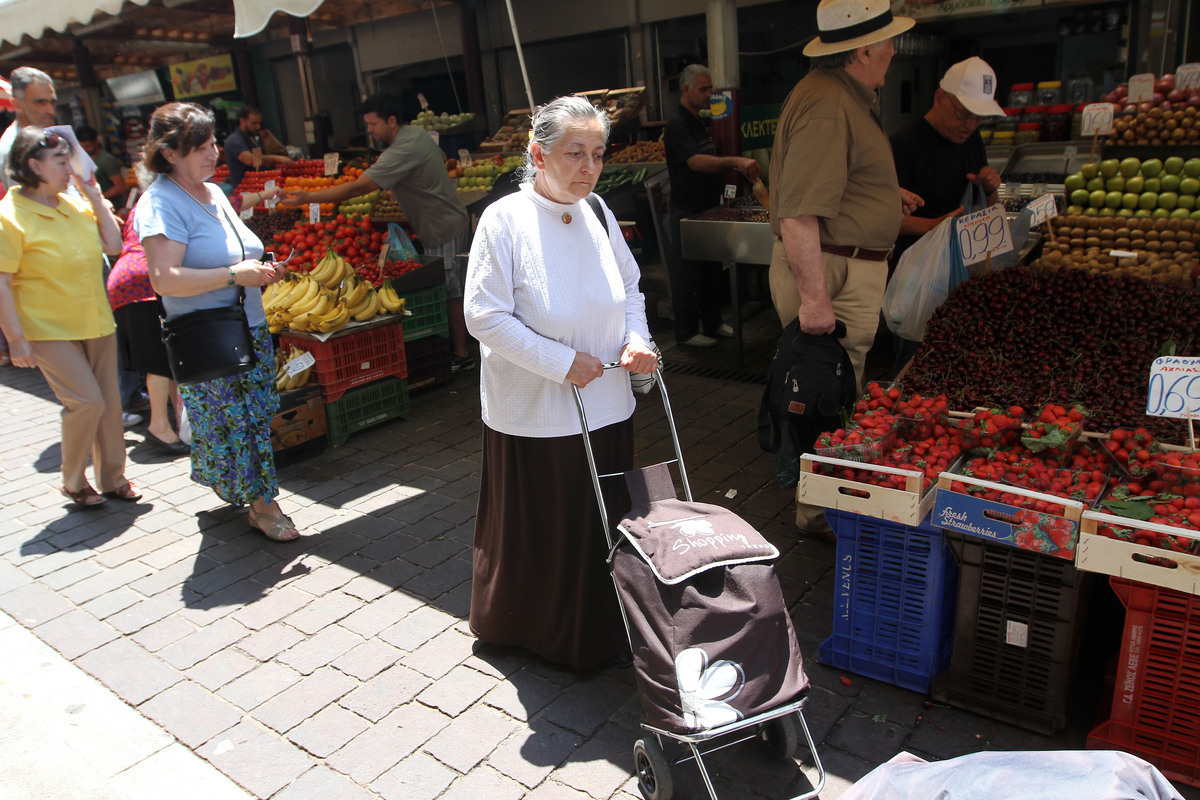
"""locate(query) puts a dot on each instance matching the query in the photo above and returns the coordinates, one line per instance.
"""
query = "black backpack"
(809, 383)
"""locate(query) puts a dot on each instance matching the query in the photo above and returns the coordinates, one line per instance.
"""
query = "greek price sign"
(1174, 387)
(1097, 119)
(331, 164)
(1044, 208)
(1141, 88)
(314, 213)
(1187, 76)
(983, 232)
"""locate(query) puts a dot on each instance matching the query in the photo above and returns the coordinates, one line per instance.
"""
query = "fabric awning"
(19, 18)
(5, 94)
(253, 15)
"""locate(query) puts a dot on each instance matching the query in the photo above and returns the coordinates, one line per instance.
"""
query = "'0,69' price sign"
(1174, 387)
(982, 233)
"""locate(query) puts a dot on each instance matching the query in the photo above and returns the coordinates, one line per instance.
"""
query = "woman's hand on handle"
(637, 357)
(585, 369)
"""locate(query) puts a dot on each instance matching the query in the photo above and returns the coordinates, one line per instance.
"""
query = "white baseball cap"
(973, 82)
(851, 24)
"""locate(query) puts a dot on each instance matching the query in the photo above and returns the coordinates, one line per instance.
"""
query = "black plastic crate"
(428, 362)
(1017, 632)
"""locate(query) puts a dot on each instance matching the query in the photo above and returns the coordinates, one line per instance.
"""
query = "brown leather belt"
(856, 252)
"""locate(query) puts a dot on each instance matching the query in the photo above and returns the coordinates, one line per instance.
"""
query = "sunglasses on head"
(50, 139)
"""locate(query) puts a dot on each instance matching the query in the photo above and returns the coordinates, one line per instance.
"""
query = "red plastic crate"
(354, 358)
(1156, 703)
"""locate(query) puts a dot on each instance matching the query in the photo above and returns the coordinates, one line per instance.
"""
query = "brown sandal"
(87, 497)
(126, 493)
(276, 528)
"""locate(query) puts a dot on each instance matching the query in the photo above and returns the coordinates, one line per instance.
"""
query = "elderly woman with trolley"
(552, 295)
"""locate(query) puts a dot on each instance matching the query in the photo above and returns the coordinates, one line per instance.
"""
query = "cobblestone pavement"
(340, 666)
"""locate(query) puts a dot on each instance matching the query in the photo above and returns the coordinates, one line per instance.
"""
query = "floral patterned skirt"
(231, 429)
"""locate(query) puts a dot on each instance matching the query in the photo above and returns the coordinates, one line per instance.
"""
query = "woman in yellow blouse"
(54, 310)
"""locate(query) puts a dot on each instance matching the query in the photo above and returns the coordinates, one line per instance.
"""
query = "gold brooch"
(566, 218)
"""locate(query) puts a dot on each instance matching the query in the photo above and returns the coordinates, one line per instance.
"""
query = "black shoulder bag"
(209, 343)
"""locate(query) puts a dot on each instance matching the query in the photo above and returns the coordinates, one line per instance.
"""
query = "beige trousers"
(856, 289)
(83, 376)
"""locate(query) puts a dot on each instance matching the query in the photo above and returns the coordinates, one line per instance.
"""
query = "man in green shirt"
(108, 168)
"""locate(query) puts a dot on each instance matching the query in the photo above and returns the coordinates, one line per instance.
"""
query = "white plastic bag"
(185, 427)
(926, 274)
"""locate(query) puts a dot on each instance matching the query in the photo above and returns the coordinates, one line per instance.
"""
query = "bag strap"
(770, 436)
(162, 310)
(594, 202)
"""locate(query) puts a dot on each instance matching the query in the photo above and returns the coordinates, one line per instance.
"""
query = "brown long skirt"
(540, 580)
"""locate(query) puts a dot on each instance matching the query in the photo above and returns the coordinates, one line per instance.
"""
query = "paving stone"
(164, 632)
(169, 578)
(434, 583)
(33, 604)
(326, 731)
(149, 611)
(387, 741)
(323, 611)
(137, 548)
(323, 783)
(872, 741)
(69, 575)
(12, 578)
(430, 554)
(211, 581)
(457, 690)
(299, 702)
(417, 777)
(534, 752)
(219, 669)
(191, 714)
(256, 759)
(324, 580)
(259, 685)
(112, 602)
(471, 737)
(587, 705)
(601, 764)
(368, 659)
(556, 791)
(320, 650)
(391, 688)
(189, 651)
(522, 695)
(381, 614)
(104, 582)
(484, 782)
(270, 641)
(75, 633)
(182, 549)
(440, 655)
(273, 607)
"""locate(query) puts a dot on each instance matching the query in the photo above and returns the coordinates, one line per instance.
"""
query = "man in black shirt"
(938, 154)
(244, 147)
(697, 183)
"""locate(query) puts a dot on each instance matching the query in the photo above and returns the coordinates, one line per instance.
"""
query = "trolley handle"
(591, 457)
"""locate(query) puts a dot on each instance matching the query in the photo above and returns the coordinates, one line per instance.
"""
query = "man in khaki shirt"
(836, 205)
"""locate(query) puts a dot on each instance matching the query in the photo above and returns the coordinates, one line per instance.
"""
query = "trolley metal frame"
(774, 728)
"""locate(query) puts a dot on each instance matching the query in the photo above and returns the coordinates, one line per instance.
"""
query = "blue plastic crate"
(894, 600)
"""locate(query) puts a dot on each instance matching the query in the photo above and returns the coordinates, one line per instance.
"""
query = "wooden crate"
(1133, 561)
(906, 506)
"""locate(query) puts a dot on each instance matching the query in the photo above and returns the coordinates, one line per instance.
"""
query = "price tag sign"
(383, 253)
(1174, 387)
(983, 232)
(331, 165)
(1141, 88)
(299, 364)
(273, 200)
(1097, 119)
(1044, 208)
(436, 139)
(256, 154)
(421, 99)
(464, 157)
(730, 191)
(314, 213)
(1187, 76)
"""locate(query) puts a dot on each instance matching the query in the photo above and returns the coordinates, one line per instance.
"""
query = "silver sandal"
(276, 528)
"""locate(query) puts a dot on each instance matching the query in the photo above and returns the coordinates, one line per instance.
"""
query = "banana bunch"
(283, 381)
(391, 301)
(304, 305)
(331, 270)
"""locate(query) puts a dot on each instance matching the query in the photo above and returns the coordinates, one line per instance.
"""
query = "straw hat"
(850, 24)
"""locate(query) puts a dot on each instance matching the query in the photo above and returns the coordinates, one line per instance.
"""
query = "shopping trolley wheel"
(653, 770)
(779, 738)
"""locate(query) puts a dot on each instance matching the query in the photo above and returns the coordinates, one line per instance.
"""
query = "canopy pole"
(512, 21)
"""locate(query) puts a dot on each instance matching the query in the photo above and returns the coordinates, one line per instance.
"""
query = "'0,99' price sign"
(1174, 387)
(982, 233)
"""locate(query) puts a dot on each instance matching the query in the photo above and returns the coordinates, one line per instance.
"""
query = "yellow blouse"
(54, 256)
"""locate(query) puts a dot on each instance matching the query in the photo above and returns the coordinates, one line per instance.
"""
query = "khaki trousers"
(856, 289)
(83, 376)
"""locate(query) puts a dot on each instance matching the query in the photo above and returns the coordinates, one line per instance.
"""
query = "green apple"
(1180, 213)
(1091, 169)
(1115, 184)
(1189, 186)
(1173, 165)
(1142, 213)
(1168, 200)
(1160, 213)
(1079, 197)
(1129, 200)
(1097, 198)
(1124, 212)
(1148, 200)
(1196, 214)
(1109, 167)
(1096, 184)
(1135, 184)
(1091, 211)
(1074, 181)
(1151, 168)
(1114, 199)
(1130, 166)
(1187, 201)
(1170, 183)
(1074, 209)
(1191, 168)
(1151, 185)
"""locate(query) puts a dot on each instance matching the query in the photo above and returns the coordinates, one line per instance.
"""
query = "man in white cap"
(836, 205)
